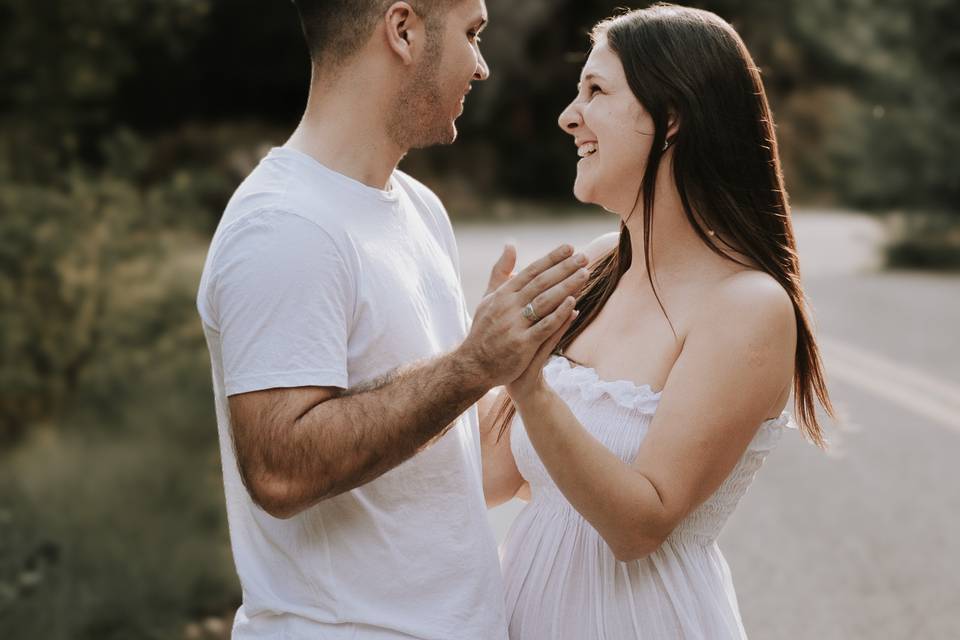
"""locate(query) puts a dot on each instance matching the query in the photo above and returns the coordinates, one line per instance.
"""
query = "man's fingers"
(537, 267)
(555, 274)
(551, 323)
(503, 267)
(572, 285)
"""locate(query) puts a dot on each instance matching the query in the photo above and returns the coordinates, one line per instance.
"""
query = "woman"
(639, 426)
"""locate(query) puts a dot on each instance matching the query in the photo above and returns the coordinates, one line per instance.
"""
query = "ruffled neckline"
(570, 376)
(565, 375)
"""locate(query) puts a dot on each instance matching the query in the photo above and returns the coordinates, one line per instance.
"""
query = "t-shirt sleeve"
(283, 300)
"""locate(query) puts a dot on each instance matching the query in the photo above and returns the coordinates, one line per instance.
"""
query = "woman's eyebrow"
(590, 76)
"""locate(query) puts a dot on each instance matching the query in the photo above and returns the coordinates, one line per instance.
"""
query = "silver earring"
(666, 143)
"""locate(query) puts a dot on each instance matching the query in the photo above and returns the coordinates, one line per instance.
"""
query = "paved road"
(862, 542)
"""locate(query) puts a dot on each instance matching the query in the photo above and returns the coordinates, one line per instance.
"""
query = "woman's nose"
(569, 119)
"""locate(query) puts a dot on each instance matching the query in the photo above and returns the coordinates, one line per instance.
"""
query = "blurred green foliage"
(865, 92)
(111, 514)
(114, 537)
(125, 128)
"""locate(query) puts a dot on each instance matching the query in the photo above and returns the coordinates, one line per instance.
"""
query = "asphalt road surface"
(862, 541)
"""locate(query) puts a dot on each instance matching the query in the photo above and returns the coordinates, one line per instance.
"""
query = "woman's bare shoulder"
(601, 246)
(750, 300)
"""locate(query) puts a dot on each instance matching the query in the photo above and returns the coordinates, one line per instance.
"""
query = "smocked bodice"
(618, 414)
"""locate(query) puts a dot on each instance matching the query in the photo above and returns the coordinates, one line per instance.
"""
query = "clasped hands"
(522, 317)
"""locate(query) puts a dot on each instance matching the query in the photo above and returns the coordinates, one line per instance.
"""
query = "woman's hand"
(531, 380)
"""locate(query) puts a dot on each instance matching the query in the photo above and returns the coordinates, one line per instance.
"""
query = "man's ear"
(405, 31)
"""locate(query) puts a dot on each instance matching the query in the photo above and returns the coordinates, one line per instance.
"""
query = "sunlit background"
(124, 128)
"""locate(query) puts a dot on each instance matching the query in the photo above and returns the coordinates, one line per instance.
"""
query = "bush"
(925, 241)
(107, 537)
(111, 511)
(60, 247)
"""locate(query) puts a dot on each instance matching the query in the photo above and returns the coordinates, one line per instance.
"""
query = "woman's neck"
(676, 251)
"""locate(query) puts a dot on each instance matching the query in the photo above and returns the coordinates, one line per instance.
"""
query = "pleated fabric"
(562, 580)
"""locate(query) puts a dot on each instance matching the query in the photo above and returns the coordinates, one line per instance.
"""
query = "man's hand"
(502, 269)
(502, 342)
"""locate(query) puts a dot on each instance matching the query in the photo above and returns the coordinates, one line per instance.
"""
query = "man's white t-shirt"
(315, 279)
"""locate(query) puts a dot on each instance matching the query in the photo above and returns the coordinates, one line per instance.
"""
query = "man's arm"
(296, 447)
(299, 446)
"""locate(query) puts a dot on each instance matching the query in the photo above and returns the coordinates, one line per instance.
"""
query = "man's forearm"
(296, 447)
(350, 440)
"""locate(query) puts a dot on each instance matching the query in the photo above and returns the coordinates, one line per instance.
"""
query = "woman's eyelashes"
(589, 91)
(473, 36)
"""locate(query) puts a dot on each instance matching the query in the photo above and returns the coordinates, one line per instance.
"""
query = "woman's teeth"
(587, 149)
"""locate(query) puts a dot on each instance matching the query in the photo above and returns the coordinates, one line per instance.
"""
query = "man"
(344, 365)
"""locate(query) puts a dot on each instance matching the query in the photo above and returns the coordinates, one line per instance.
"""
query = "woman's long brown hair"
(691, 65)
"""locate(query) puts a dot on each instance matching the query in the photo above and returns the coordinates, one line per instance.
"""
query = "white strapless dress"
(562, 580)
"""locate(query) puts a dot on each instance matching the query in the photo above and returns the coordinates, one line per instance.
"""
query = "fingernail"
(581, 259)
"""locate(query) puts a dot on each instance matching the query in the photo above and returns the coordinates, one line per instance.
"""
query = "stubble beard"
(417, 119)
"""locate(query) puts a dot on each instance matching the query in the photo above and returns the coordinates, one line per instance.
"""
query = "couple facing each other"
(636, 386)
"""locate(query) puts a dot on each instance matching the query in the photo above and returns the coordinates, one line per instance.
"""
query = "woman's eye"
(594, 89)
(474, 36)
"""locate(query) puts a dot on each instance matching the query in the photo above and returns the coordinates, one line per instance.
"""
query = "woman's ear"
(673, 126)
(404, 31)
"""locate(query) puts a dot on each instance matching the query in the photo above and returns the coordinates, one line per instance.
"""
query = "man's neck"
(343, 128)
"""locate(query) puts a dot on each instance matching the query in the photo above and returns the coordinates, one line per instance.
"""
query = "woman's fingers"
(543, 353)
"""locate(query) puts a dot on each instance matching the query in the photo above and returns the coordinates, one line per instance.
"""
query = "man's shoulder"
(425, 193)
(273, 208)
(429, 206)
(278, 212)
(284, 182)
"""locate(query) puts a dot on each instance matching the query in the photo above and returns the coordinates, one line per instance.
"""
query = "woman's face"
(612, 132)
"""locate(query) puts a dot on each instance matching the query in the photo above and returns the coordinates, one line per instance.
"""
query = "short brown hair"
(337, 29)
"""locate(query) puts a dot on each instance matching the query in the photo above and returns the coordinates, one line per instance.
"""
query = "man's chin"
(449, 134)
(439, 138)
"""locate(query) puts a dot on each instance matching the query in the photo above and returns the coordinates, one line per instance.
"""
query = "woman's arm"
(501, 478)
(733, 370)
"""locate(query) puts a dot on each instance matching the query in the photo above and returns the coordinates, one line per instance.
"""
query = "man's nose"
(483, 71)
